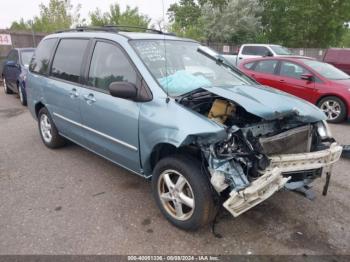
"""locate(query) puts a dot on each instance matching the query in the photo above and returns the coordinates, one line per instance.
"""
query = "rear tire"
(22, 95)
(334, 108)
(6, 88)
(178, 181)
(48, 131)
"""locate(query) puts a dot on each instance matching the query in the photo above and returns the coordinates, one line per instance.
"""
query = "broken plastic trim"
(259, 190)
(273, 180)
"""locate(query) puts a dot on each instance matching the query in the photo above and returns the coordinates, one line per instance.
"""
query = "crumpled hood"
(269, 103)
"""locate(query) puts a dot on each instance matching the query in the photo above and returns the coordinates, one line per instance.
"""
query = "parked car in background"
(171, 110)
(247, 51)
(15, 70)
(319, 83)
(339, 57)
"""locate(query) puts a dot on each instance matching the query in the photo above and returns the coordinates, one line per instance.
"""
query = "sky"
(12, 10)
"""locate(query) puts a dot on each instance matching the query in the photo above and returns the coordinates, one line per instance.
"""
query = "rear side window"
(267, 66)
(68, 59)
(41, 59)
(255, 50)
(249, 65)
(13, 56)
(109, 64)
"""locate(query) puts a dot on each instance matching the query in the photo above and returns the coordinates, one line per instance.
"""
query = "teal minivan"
(176, 112)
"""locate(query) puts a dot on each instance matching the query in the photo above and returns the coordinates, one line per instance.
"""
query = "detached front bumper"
(273, 179)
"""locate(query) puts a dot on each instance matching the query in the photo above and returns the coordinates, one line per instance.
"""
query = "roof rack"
(114, 29)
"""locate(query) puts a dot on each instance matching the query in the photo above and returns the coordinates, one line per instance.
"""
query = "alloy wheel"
(20, 94)
(46, 128)
(331, 108)
(176, 195)
(5, 86)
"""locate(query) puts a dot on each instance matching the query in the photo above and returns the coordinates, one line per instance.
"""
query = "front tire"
(22, 95)
(183, 193)
(48, 131)
(6, 88)
(334, 108)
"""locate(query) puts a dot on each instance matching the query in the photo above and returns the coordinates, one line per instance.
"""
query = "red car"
(319, 83)
(339, 57)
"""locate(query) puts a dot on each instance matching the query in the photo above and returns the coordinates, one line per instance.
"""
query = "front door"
(290, 80)
(110, 123)
(12, 69)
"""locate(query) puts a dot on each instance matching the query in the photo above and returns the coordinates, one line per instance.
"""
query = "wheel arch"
(37, 107)
(162, 150)
(347, 105)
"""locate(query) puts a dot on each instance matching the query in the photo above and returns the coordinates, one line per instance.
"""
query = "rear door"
(63, 92)
(264, 72)
(289, 77)
(111, 123)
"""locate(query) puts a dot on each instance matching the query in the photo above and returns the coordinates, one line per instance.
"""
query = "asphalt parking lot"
(70, 201)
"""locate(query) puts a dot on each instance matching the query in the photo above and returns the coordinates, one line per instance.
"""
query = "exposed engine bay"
(258, 156)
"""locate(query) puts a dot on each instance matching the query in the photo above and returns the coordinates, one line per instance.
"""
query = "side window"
(249, 65)
(109, 64)
(255, 50)
(267, 66)
(41, 59)
(68, 59)
(292, 70)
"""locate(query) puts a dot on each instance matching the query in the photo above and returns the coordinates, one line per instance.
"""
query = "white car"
(247, 51)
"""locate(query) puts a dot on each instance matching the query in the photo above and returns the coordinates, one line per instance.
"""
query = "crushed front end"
(259, 157)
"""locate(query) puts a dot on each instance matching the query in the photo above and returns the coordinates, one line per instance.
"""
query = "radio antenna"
(165, 57)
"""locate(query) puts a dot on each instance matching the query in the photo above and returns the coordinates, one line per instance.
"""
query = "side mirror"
(269, 54)
(124, 90)
(307, 77)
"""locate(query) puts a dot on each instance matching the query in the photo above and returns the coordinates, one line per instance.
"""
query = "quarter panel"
(162, 122)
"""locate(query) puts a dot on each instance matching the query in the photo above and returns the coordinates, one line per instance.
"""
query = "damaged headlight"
(323, 130)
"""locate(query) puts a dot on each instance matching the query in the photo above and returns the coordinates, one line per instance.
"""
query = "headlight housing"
(323, 130)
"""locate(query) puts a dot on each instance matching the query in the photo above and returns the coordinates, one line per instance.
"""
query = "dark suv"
(15, 71)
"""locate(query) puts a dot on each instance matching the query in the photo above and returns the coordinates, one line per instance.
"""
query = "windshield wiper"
(194, 94)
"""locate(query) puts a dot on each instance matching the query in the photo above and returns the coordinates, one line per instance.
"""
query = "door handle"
(240, 57)
(282, 81)
(74, 93)
(90, 98)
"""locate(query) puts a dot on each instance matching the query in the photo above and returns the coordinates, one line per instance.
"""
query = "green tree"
(130, 17)
(300, 23)
(238, 22)
(346, 39)
(185, 19)
(57, 15)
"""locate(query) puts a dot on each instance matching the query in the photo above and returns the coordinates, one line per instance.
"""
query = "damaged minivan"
(177, 113)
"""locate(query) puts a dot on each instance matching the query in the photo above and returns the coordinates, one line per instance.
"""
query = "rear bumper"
(273, 180)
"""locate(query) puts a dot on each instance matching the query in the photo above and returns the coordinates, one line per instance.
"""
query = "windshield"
(179, 68)
(280, 50)
(26, 57)
(326, 70)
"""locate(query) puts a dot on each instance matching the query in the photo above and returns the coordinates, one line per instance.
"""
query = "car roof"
(289, 58)
(338, 49)
(25, 49)
(110, 34)
(262, 44)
